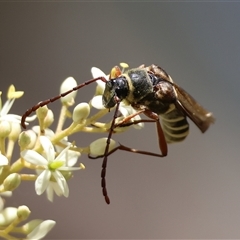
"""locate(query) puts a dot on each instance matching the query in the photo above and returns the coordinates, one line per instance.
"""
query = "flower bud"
(23, 212)
(7, 216)
(48, 120)
(11, 182)
(96, 102)
(33, 139)
(97, 147)
(16, 130)
(24, 139)
(68, 84)
(81, 112)
(5, 129)
(42, 112)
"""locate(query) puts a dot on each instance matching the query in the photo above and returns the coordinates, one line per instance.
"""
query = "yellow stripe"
(176, 128)
(172, 120)
(176, 135)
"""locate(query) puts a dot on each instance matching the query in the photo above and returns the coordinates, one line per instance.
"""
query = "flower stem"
(2, 145)
(28, 177)
(10, 148)
(62, 118)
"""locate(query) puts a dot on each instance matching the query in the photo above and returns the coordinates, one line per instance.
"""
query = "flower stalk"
(49, 156)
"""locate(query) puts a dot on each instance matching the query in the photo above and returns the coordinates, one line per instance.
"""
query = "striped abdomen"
(175, 125)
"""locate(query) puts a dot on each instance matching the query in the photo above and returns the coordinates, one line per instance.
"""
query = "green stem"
(2, 145)
(10, 148)
(62, 118)
(28, 177)
(17, 166)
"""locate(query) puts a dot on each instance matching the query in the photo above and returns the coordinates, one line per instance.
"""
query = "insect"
(151, 91)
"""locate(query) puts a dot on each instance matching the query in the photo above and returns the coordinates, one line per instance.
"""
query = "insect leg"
(43, 103)
(161, 138)
(106, 153)
(154, 118)
(125, 148)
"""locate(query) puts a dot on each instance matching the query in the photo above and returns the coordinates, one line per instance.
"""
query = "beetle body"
(151, 91)
(152, 88)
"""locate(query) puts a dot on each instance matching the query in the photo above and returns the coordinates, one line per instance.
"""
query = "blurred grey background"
(192, 193)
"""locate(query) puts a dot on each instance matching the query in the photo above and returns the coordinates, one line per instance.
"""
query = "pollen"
(124, 65)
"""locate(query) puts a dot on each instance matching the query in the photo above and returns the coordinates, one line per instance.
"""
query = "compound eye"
(108, 95)
(118, 92)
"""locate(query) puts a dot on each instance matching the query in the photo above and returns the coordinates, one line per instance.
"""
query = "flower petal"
(96, 72)
(69, 168)
(56, 188)
(41, 230)
(42, 182)
(61, 183)
(72, 157)
(62, 154)
(7, 106)
(34, 158)
(48, 148)
(97, 103)
(50, 192)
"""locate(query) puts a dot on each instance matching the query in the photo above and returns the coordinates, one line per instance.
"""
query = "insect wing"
(200, 116)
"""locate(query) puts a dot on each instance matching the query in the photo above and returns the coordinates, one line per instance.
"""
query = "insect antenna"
(43, 103)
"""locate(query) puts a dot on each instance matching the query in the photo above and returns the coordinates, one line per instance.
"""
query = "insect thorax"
(157, 93)
(139, 84)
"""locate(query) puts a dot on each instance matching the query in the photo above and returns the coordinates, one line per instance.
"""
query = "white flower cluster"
(48, 153)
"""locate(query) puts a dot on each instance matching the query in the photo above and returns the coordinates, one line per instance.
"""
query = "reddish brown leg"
(106, 153)
(154, 118)
(129, 117)
(125, 148)
(43, 103)
(161, 138)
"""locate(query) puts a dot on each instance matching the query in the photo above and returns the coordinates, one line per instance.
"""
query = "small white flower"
(51, 178)
(4, 116)
(12, 95)
(96, 101)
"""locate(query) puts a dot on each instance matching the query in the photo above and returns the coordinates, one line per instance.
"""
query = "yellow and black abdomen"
(174, 125)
